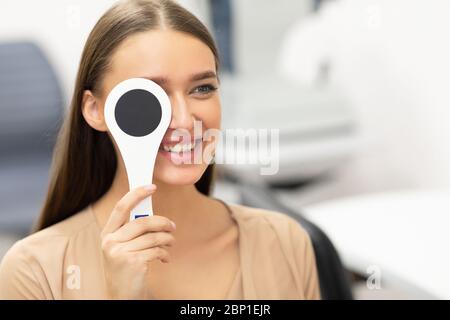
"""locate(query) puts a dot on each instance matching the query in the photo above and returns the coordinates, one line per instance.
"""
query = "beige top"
(276, 260)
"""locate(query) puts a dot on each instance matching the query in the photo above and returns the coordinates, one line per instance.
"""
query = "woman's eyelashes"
(204, 90)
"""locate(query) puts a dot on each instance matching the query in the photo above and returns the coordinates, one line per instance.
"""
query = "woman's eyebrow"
(203, 76)
(159, 80)
(195, 77)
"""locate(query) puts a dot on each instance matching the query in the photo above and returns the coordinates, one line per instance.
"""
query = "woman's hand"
(129, 246)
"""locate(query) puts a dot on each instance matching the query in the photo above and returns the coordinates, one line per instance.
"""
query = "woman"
(85, 246)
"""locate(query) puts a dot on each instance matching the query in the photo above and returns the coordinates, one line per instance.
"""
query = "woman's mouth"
(181, 152)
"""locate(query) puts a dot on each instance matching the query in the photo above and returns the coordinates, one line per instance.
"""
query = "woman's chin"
(186, 174)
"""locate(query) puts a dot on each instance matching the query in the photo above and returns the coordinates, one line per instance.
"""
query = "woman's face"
(185, 68)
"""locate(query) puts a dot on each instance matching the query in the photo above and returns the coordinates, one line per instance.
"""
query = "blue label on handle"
(140, 216)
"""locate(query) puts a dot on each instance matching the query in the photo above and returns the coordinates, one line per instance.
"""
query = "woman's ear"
(93, 111)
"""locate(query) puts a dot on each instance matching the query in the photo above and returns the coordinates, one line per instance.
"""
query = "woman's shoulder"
(26, 269)
(274, 236)
(274, 229)
(52, 240)
(68, 229)
(263, 220)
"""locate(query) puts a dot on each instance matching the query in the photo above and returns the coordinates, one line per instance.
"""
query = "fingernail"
(150, 187)
(173, 224)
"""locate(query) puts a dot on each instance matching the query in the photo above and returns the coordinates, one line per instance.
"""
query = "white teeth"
(179, 147)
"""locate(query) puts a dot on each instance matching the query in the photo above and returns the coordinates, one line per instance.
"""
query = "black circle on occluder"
(138, 112)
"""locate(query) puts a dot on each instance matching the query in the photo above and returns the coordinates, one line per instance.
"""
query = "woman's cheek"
(210, 114)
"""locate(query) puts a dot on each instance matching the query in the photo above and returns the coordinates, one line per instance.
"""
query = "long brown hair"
(84, 160)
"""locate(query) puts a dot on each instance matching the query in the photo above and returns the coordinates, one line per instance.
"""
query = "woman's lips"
(170, 142)
(182, 157)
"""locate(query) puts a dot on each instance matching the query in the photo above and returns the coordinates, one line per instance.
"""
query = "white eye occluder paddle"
(137, 114)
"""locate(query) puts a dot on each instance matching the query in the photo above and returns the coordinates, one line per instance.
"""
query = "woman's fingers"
(141, 226)
(121, 212)
(152, 254)
(149, 240)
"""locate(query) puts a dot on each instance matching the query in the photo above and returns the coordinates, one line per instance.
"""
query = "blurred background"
(359, 90)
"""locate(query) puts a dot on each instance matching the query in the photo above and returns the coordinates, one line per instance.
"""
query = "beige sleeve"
(305, 261)
(17, 277)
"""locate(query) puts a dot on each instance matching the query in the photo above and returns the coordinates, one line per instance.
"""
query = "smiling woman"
(221, 251)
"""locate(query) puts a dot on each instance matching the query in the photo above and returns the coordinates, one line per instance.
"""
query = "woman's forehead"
(163, 53)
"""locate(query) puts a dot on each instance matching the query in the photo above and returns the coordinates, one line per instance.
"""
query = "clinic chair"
(31, 107)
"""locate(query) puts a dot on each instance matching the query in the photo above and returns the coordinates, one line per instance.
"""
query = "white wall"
(391, 58)
(259, 29)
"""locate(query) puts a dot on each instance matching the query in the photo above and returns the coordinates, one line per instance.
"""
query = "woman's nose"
(182, 118)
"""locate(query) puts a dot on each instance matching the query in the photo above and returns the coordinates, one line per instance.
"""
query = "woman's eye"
(204, 89)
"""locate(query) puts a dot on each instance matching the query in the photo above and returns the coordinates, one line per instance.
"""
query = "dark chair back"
(31, 110)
